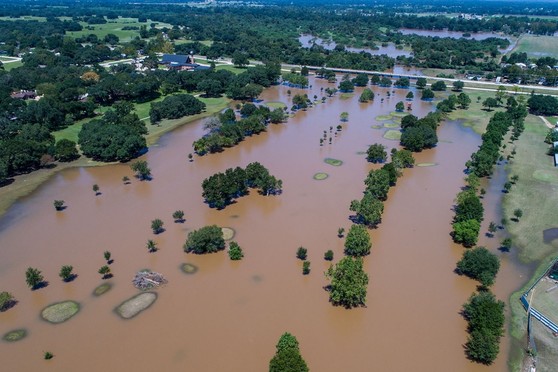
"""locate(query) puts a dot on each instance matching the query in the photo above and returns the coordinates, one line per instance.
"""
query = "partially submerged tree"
(178, 216)
(358, 241)
(143, 172)
(287, 356)
(235, 252)
(59, 205)
(348, 282)
(157, 226)
(208, 239)
(66, 273)
(7, 301)
(105, 272)
(33, 278)
(479, 264)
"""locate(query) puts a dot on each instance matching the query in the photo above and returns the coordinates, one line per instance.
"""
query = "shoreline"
(25, 184)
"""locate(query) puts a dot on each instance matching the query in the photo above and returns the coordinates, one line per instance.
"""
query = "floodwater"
(308, 40)
(459, 35)
(229, 315)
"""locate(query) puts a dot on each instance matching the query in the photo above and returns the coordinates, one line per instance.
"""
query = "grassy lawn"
(537, 46)
(12, 65)
(230, 68)
(24, 18)
(475, 117)
(534, 193)
(114, 27)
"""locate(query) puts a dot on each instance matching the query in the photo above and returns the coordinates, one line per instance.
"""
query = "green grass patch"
(383, 117)
(537, 46)
(135, 305)
(399, 114)
(391, 125)
(392, 134)
(15, 335)
(115, 27)
(60, 312)
(320, 176)
(230, 68)
(375, 126)
(426, 164)
(188, 268)
(345, 96)
(12, 65)
(334, 162)
(102, 289)
(275, 105)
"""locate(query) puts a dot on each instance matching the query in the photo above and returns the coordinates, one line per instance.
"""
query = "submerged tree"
(479, 264)
(358, 241)
(7, 300)
(287, 356)
(66, 273)
(105, 272)
(59, 205)
(33, 277)
(151, 246)
(178, 216)
(143, 172)
(348, 282)
(157, 226)
(208, 239)
(235, 252)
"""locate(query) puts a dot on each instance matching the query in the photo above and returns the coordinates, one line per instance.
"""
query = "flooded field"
(229, 315)
(308, 40)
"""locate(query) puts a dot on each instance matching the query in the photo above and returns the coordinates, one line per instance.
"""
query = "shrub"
(301, 253)
(235, 252)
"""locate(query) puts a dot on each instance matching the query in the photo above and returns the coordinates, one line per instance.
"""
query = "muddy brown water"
(229, 315)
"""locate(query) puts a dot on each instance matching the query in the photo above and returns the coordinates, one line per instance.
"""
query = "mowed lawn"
(537, 46)
(115, 27)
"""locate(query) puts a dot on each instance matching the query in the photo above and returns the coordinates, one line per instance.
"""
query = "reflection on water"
(228, 315)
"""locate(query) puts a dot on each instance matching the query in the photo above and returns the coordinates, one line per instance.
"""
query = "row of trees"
(221, 189)
(225, 131)
(368, 210)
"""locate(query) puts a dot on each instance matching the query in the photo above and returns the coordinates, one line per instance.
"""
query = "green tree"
(368, 210)
(479, 264)
(151, 246)
(126, 180)
(410, 96)
(33, 278)
(344, 116)
(358, 241)
(340, 232)
(438, 86)
(399, 106)
(507, 187)
(65, 150)
(485, 316)
(506, 244)
(346, 86)
(107, 255)
(105, 272)
(328, 256)
(301, 253)
(421, 83)
(402, 159)
(463, 100)
(458, 85)
(376, 153)
(59, 205)
(367, 95)
(492, 228)
(378, 183)
(142, 170)
(466, 232)
(66, 273)
(469, 206)
(178, 216)
(96, 189)
(208, 239)
(361, 80)
(427, 94)
(287, 356)
(7, 300)
(306, 268)
(490, 103)
(348, 282)
(157, 226)
(240, 59)
(235, 252)
(518, 213)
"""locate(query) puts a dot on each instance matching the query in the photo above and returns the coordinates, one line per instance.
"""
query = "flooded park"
(228, 315)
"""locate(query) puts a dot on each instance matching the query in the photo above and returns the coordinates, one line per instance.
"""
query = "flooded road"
(229, 315)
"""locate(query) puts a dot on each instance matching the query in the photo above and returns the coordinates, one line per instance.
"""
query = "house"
(24, 94)
(178, 61)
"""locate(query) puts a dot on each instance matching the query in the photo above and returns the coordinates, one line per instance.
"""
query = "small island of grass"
(15, 335)
(320, 176)
(334, 162)
(228, 233)
(60, 312)
(188, 268)
(102, 289)
(392, 134)
(135, 305)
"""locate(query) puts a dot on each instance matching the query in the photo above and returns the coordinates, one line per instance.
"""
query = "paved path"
(548, 123)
